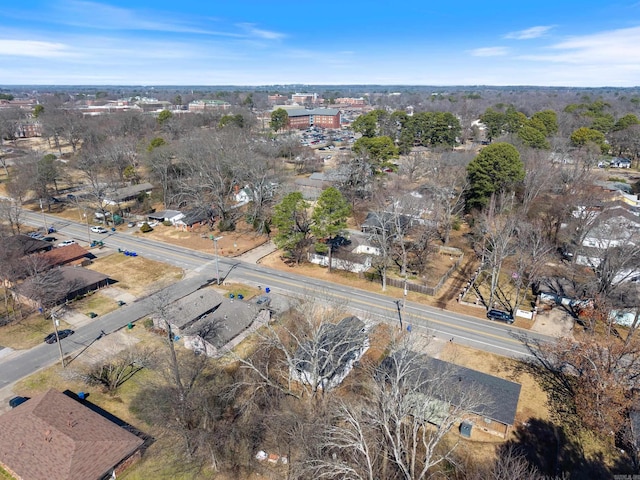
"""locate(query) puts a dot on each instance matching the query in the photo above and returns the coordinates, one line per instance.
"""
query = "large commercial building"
(302, 118)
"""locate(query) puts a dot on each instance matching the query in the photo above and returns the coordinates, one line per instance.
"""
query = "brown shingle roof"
(55, 437)
(64, 255)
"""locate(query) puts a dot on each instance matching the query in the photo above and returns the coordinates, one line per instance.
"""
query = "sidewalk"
(256, 254)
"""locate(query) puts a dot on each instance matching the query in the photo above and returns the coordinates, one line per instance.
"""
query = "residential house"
(186, 311)
(55, 437)
(72, 254)
(377, 222)
(613, 227)
(194, 218)
(119, 195)
(242, 196)
(75, 282)
(21, 245)
(207, 321)
(619, 162)
(172, 216)
(326, 361)
(494, 413)
(312, 186)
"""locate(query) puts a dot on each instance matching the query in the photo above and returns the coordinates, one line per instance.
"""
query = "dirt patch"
(555, 322)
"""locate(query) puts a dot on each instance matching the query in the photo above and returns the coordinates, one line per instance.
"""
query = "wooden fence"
(417, 287)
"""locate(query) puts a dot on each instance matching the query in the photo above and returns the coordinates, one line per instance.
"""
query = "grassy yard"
(136, 275)
(27, 333)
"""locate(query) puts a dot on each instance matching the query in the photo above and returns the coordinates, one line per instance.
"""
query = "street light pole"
(215, 248)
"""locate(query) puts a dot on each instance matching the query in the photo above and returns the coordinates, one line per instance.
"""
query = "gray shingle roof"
(503, 395)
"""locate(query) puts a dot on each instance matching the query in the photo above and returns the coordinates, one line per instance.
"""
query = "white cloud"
(604, 48)
(529, 33)
(33, 48)
(257, 32)
(489, 52)
(88, 14)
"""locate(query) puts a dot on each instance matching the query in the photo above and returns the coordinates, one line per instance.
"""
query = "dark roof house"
(501, 397)
(25, 245)
(74, 282)
(376, 223)
(54, 437)
(207, 321)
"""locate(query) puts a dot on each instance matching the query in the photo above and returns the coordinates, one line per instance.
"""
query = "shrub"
(226, 225)
(166, 223)
(146, 228)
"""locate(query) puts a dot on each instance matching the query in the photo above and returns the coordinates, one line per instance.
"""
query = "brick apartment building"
(28, 129)
(318, 117)
(277, 99)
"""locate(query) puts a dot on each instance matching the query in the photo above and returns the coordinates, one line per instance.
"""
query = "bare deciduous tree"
(397, 431)
(112, 372)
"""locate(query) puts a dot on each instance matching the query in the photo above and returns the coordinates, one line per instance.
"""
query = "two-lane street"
(479, 333)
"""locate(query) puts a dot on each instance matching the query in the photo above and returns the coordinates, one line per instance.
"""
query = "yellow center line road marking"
(391, 309)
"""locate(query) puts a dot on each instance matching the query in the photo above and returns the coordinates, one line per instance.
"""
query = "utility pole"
(55, 329)
(215, 248)
(44, 218)
(397, 302)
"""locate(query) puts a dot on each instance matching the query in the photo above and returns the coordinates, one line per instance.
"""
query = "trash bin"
(92, 314)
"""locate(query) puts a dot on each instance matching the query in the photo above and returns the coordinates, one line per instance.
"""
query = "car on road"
(36, 235)
(98, 229)
(499, 315)
(66, 243)
(49, 239)
(51, 338)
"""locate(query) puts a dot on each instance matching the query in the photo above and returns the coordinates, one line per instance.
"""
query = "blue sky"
(227, 42)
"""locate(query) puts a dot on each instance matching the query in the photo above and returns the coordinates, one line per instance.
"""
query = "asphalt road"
(478, 333)
(24, 363)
